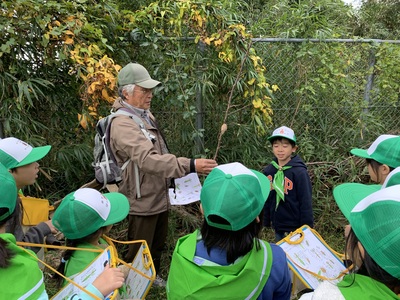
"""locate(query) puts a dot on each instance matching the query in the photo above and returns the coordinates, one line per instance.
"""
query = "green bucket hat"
(375, 221)
(15, 153)
(385, 150)
(235, 193)
(86, 210)
(8, 192)
(134, 73)
(284, 132)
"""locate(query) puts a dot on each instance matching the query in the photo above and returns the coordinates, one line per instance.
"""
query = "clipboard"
(141, 274)
(311, 259)
(88, 275)
(138, 282)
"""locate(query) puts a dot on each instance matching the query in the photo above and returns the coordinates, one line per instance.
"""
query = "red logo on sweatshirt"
(287, 185)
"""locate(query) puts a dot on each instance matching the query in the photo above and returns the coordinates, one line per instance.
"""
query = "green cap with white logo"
(134, 73)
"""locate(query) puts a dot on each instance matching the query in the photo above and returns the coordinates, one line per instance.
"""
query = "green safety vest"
(245, 279)
(22, 279)
(357, 287)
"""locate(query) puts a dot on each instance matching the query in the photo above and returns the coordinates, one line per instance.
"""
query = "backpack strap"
(146, 133)
(138, 121)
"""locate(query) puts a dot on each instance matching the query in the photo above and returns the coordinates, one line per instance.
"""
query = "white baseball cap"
(16, 153)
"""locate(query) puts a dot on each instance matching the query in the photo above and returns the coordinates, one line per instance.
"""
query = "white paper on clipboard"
(86, 277)
(187, 190)
(311, 254)
(138, 282)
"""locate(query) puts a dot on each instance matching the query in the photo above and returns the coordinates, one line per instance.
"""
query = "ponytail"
(5, 254)
(65, 257)
(74, 243)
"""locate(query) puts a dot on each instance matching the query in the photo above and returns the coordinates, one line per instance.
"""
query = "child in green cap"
(226, 259)
(382, 157)
(289, 205)
(22, 160)
(372, 245)
(20, 276)
(83, 217)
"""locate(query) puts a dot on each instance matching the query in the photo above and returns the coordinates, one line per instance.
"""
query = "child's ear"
(201, 210)
(385, 169)
(294, 149)
(361, 249)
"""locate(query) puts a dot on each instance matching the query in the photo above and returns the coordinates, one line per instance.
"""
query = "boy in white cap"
(289, 204)
(20, 276)
(372, 245)
(22, 160)
(226, 259)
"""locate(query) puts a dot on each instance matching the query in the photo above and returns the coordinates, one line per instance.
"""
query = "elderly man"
(146, 186)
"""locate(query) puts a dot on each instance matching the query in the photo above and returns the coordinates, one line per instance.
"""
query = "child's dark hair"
(235, 243)
(68, 253)
(280, 138)
(369, 266)
(15, 219)
(5, 253)
(375, 166)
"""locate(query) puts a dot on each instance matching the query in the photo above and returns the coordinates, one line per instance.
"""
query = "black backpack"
(105, 166)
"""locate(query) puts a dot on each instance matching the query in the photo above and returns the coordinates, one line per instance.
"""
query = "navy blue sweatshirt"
(296, 210)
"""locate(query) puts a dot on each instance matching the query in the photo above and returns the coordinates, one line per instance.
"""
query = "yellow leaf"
(218, 42)
(251, 81)
(92, 88)
(82, 120)
(275, 87)
(105, 95)
(257, 103)
(69, 41)
(69, 32)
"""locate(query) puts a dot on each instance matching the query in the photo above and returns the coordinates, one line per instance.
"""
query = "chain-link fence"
(335, 94)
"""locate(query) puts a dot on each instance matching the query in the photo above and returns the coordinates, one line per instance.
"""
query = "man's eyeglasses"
(143, 90)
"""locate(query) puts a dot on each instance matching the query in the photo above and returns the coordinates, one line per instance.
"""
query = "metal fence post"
(369, 86)
(199, 143)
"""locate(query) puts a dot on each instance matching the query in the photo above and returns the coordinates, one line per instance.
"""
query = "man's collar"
(139, 111)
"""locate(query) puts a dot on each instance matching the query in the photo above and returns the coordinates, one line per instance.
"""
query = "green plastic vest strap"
(243, 280)
(356, 286)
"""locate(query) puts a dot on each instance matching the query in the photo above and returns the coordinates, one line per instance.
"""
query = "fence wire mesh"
(336, 96)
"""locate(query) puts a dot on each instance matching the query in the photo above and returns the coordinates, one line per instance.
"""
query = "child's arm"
(35, 235)
(109, 280)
